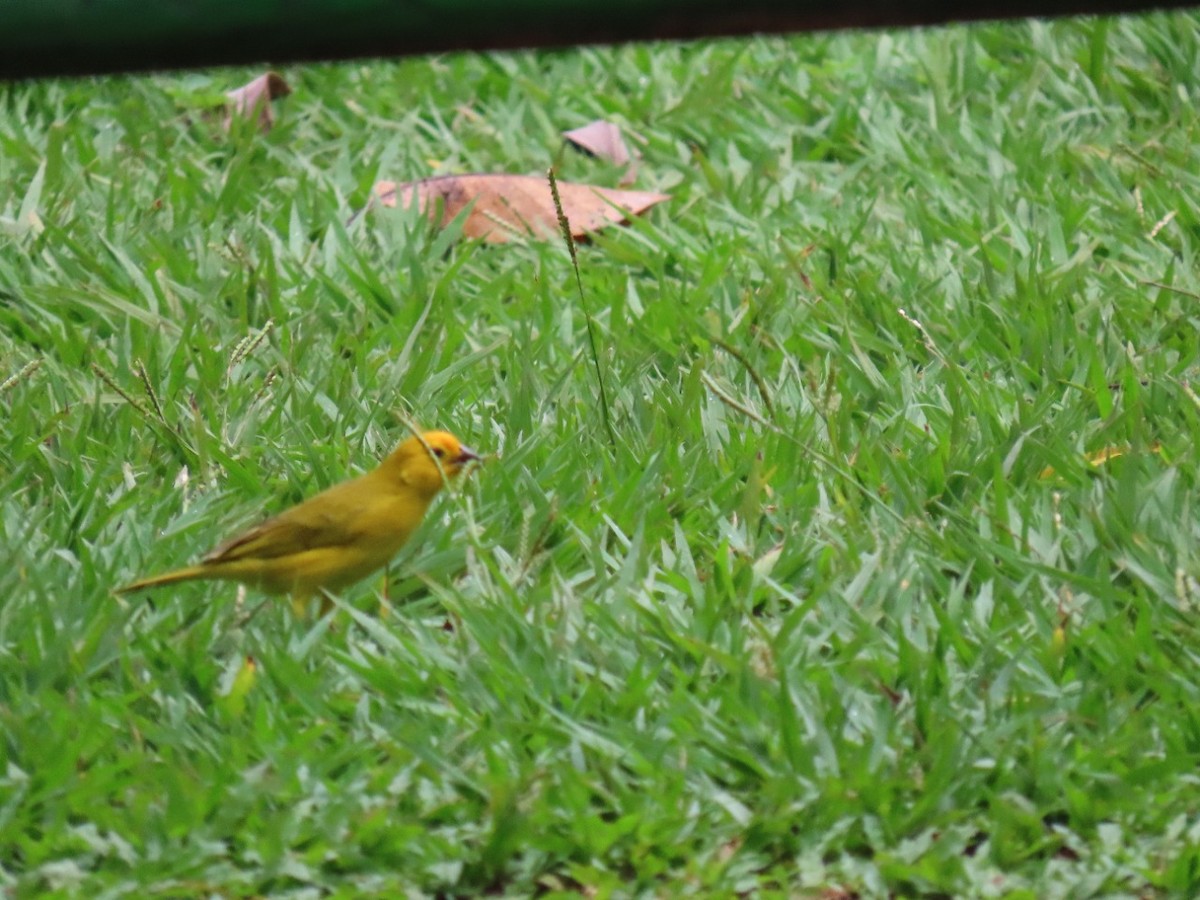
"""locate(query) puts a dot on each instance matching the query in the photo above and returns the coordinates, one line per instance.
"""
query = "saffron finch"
(341, 535)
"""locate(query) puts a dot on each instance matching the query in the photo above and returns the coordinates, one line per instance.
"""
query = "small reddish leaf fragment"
(601, 139)
(511, 207)
(256, 96)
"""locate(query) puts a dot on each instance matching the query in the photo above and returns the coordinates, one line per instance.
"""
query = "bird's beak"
(466, 455)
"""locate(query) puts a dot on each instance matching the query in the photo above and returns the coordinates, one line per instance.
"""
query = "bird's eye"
(439, 452)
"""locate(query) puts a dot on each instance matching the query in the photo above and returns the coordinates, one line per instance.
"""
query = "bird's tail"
(185, 574)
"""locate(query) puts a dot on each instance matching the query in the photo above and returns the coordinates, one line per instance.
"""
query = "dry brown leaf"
(510, 207)
(601, 139)
(255, 96)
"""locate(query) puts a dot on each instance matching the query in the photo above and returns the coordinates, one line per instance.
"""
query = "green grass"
(796, 632)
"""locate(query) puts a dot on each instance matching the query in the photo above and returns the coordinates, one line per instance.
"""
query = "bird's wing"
(305, 527)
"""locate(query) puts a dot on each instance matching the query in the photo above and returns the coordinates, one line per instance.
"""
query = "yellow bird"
(341, 535)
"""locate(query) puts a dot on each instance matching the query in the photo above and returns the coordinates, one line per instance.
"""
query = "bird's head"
(428, 460)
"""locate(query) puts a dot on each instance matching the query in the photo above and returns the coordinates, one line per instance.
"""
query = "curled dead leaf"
(510, 207)
(255, 97)
(601, 139)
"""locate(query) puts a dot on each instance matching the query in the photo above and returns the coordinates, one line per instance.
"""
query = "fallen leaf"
(729, 849)
(601, 139)
(255, 97)
(510, 207)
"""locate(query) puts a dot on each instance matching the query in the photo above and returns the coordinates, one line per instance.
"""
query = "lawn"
(885, 582)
